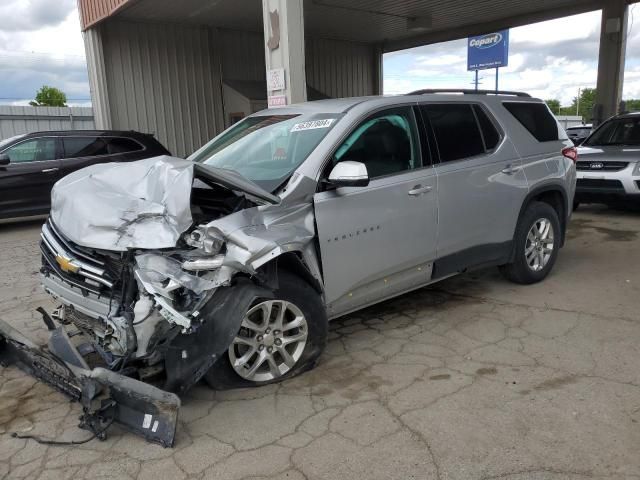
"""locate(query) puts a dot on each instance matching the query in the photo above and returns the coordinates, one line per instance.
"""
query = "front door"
(379, 240)
(27, 181)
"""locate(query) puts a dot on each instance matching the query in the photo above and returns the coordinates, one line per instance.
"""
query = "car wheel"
(279, 338)
(536, 243)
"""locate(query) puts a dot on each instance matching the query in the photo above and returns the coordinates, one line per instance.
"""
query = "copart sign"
(488, 51)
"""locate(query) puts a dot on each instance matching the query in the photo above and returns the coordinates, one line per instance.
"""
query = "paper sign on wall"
(277, 101)
(275, 79)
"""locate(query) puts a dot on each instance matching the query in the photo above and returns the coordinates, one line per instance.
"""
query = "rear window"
(84, 146)
(456, 130)
(536, 118)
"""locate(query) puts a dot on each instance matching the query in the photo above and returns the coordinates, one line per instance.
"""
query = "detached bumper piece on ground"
(106, 397)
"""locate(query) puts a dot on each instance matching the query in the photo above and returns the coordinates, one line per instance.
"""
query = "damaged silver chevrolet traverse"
(228, 265)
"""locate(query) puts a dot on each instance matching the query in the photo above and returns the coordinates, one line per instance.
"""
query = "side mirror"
(4, 159)
(349, 174)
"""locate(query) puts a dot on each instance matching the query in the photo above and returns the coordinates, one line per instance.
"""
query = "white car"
(608, 165)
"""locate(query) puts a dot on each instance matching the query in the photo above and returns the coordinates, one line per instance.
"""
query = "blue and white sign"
(488, 51)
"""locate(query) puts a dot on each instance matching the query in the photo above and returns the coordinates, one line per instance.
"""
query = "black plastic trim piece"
(480, 256)
(468, 91)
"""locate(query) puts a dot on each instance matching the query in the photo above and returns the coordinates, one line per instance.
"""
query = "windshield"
(621, 131)
(267, 149)
(6, 141)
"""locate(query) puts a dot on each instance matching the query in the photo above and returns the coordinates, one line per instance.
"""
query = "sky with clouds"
(41, 43)
(548, 60)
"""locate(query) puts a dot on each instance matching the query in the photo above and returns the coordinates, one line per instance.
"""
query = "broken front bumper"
(105, 396)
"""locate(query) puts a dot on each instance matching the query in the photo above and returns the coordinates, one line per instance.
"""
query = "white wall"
(163, 79)
(166, 79)
(15, 120)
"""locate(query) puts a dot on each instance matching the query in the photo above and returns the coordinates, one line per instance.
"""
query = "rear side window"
(536, 118)
(84, 146)
(489, 132)
(456, 130)
(123, 145)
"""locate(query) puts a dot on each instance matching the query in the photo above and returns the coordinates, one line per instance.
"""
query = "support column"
(613, 44)
(378, 70)
(97, 78)
(284, 51)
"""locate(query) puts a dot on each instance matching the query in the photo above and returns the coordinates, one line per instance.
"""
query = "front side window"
(620, 131)
(386, 143)
(36, 150)
(267, 149)
(76, 147)
(456, 130)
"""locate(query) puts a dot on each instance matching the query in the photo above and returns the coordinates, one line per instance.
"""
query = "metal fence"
(15, 120)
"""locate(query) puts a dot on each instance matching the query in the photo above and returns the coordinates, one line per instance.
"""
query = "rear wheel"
(536, 243)
(278, 338)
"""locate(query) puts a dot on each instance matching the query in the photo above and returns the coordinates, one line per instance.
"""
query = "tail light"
(571, 153)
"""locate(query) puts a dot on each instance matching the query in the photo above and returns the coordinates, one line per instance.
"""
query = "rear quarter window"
(123, 145)
(536, 118)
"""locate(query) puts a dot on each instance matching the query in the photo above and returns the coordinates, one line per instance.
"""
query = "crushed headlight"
(206, 239)
(206, 263)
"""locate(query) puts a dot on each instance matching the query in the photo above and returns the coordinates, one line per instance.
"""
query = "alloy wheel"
(272, 337)
(539, 244)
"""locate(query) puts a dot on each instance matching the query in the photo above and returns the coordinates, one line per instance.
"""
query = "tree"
(49, 97)
(554, 105)
(585, 108)
(632, 105)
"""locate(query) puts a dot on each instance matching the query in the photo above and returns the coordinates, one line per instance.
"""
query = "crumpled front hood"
(117, 206)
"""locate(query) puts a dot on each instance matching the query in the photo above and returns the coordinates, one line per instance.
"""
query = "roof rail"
(464, 91)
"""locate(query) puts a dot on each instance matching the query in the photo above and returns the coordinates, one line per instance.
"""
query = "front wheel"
(536, 243)
(279, 338)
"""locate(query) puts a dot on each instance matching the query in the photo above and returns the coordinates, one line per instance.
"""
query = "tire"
(523, 270)
(576, 205)
(294, 296)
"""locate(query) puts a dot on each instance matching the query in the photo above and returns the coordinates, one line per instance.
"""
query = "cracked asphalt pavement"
(473, 378)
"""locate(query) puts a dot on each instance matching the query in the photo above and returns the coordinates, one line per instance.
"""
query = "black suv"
(30, 164)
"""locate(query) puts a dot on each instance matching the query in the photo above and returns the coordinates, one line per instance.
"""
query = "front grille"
(596, 166)
(92, 327)
(594, 184)
(92, 270)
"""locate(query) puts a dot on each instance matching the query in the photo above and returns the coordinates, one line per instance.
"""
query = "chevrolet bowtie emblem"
(66, 264)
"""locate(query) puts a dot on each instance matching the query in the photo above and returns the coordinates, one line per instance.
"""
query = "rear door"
(27, 181)
(379, 240)
(480, 185)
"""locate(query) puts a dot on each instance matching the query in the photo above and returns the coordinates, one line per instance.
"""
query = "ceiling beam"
(492, 26)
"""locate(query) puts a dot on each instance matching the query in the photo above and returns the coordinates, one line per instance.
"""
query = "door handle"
(50, 170)
(419, 190)
(509, 170)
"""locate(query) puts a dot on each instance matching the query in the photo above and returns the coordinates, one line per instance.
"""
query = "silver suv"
(609, 166)
(229, 265)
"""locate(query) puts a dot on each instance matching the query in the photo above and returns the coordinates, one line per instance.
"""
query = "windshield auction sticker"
(326, 123)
